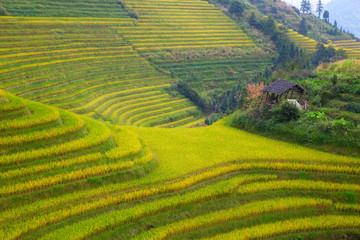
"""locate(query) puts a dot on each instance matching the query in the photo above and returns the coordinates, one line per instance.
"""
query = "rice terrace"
(188, 119)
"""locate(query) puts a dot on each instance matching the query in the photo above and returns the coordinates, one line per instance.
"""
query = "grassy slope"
(197, 172)
(347, 87)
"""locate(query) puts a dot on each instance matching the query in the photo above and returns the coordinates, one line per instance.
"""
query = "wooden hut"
(283, 89)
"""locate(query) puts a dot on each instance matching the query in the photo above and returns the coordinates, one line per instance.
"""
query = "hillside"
(100, 107)
(346, 14)
(52, 160)
(291, 18)
(84, 66)
(194, 41)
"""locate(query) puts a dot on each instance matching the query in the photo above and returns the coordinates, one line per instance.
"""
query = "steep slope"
(194, 41)
(81, 64)
(291, 18)
(346, 13)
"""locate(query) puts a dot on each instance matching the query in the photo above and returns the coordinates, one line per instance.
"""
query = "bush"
(274, 10)
(224, 2)
(325, 97)
(353, 107)
(3, 11)
(286, 112)
(205, 103)
(259, 111)
(296, 10)
(121, 4)
(317, 100)
(133, 14)
(236, 8)
(214, 117)
(347, 97)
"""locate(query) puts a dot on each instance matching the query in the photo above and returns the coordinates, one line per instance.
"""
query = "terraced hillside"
(43, 149)
(81, 64)
(194, 41)
(350, 46)
(64, 175)
(58, 181)
(304, 42)
(165, 25)
(60, 8)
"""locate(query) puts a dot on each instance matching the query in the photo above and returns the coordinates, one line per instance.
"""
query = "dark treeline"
(290, 56)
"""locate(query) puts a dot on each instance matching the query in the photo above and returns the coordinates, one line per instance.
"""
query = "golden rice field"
(181, 25)
(352, 45)
(82, 65)
(65, 176)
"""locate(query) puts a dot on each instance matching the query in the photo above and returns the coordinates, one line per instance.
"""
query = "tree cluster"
(303, 27)
(227, 103)
(327, 54)
(236, 8)
(290, 57)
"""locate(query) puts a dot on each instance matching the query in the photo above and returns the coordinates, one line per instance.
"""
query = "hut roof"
(280, 86)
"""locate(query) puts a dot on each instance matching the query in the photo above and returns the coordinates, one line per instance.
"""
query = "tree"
(303, 6)
(335, 24)
(270, 26)
(236, 8)
(326, 16)
(308, 7)
(319, 8)
(303, 28)
(252, 20)
(284, 54)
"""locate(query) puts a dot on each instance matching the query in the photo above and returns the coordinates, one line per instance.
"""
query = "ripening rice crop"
(40, 115)
(75, 65)
(8, 103)
(66, 176)
(72, 123)
(232, 214)
(98, 134)
(127, 142)
(106, 221)
(320, 223)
